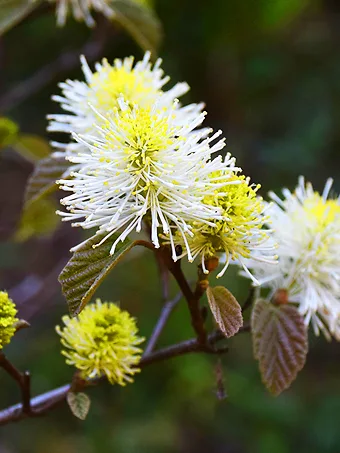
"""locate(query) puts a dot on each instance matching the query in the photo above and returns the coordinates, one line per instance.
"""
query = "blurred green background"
(269, 73)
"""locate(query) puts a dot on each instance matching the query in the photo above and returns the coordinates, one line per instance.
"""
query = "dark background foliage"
(269, 74)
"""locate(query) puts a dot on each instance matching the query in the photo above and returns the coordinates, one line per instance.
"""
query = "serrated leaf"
(44, 177)
(280, 343)
(32, 147)
(140, 22)
(226, 310)
(13, 11)
(87, 269)
(79, 404)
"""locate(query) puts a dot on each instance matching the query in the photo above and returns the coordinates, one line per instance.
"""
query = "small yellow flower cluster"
(102, 341)
(7, 319)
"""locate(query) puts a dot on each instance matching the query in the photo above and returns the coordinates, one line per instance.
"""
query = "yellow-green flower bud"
(102, 340)
(7, 319)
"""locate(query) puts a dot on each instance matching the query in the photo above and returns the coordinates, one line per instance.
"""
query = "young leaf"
(140, 22)
(280, 343)
(13, 11)
(79, 404)
(44, 176)
(87, 269)
(226, 310)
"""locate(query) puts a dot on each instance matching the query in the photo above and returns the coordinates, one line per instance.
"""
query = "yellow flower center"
(113, 82)
(241, 209)
(141, 134)
(322, 212)
(146, 135)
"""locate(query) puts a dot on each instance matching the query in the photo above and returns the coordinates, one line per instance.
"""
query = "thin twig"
(145, 244)
(10, 369)
(23, 379)
(250, 299)
(164, 274)
(192, 298)
(49, 400)
(33, 289)
(162, 320)
(218, 335)
(26, 392)
(64, 63)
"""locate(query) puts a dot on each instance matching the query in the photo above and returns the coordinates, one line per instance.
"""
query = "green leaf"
(8, 131)
(32, 147)
(87, 269)
(79, 404)
(280, 343)
(13, 11)
(226, 310)
(44, 177)
(140, 22)
(38, 219)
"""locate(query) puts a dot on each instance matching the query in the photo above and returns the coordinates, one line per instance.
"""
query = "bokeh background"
(269, 73)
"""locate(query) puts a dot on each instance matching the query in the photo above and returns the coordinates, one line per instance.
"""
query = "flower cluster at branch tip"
(239, 234)
(307, 228)
(8, 319)
(138, 156)
(140, 84)
(102, 341)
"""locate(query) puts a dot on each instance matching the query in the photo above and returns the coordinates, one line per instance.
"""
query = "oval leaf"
(13, 11)
(44, 177)
(87, 269)
(226, 310)
(140, 22)
(79, 404)
(280, 343)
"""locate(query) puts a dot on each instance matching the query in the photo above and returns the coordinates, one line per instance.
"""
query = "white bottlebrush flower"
(307, 228)
(81, 10)
(144, 165)
(140, 84)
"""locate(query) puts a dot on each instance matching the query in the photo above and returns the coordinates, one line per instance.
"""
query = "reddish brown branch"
(23, 379)
(202, 343)
(250, 299)
(49, 400)
(192, 298)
